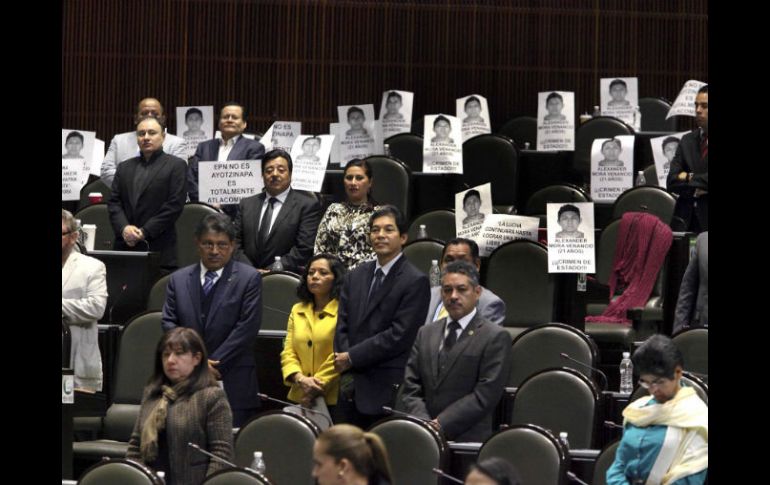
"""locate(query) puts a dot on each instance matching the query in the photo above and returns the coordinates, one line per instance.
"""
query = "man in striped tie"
(222, 300)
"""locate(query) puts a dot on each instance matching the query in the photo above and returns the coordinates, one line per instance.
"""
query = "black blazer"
(379, 334)
(157, 208)
(291, 237)
(688, 159)
(207, 151)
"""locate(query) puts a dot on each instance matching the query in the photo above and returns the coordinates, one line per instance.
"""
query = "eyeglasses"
(656, 383)
(222, 246)
(68, 233)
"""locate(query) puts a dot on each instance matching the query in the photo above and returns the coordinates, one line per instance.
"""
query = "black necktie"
(378, 276)
(449, 342)
(264, 229)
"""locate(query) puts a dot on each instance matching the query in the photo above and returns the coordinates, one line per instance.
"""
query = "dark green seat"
(414, 449)
(421, 253)
(534, 452)
(407, 147)
(393, 183)
(651, 176)
(439, 223)
(694, 345)
(647, 198)
(157, 296)
(236, 476)
(119, 471)
(186, 248)
(522, 129)
(491, 158)
(279, 294)
(604, 460)
(537, 204)
(597, 127)
(654, 111)
(99, 215)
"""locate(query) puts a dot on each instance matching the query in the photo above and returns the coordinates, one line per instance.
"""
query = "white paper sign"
(310, 154)
(396, 112)
(556, 121)
(195, 124)
(685, 102)
(474, 113)
(97, 157)
(442, 150)
(359, 138)
(571, 238)
(281, 134)
(501, 228)
(74, 174)
(78, 144)
(230, 181)
(612, 167)
(67, 389)
(619, 96)
(663, 151)
(471, 208)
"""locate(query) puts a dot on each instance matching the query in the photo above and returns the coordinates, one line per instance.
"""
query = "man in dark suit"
(148, 195)
(689, 174)
(692, 305)
(458, 366)
(232, 146)
(222, 300)
(278, 222)
(489, 305)
(382, 305)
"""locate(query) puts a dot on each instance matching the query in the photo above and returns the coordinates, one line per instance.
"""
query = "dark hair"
(619, 81)
(554, 95)
(499, 470)
(471, 193)
(193, 111)
(461, 240)
(612, 140)
(161, 122)
(667, 140)
(657, 356)
(365, 451)
(219, 223)
(160, 105)
(704, 89)
(161, 116)
(567, 208)
(337, 268)
(440, 118)
(462, 267)
(390, 210)
(189, 341)
(472, 98)
(354, 109)
(234, 103)
(276, 153)
(367, 168)
(74, 134)
(393, 94)
(311, 138)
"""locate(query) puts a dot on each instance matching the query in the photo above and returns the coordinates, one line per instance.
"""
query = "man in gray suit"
(458, 366)
(692, 306)
(489, 305)
(123, 146)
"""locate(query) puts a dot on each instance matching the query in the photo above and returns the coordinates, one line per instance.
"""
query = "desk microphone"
(612, 425)
(211, 455)
(604, 376)
(574, 477)
(276, 309)
(265, 397)
(117, 299)
(449, 477)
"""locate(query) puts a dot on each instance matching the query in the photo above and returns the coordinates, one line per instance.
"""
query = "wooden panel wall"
(298, 60)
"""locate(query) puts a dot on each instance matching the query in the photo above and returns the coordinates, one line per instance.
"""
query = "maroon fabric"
(642, 244)
(704, 147)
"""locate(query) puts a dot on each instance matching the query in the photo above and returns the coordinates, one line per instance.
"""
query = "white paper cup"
(89, 236)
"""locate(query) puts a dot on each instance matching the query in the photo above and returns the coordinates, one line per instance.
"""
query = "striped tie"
(208, 283)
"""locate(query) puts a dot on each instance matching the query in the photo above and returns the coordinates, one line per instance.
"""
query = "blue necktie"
(208, 283)
(378, 275)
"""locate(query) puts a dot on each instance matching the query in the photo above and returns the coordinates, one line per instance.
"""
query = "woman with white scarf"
(665, 436)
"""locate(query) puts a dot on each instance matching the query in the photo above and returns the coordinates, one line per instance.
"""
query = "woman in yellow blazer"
(307, 360)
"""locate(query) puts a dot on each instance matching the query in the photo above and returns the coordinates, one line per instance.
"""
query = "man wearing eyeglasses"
(221, 299)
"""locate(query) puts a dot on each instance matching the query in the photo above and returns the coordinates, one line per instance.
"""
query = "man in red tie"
(689, 175)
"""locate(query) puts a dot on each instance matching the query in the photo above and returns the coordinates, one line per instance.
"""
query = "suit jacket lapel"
(258, 215)
(237, 150)
(387, 284)
(434, 341)
(69, 268)
(153, 170)
(286, 209)
(228, 279)
(213, 149)
(465, 339)
(194, 290)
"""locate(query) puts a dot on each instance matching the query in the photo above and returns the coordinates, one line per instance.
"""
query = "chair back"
(652, 199)
(537, 204)
(651, 176)
(186, 249)
(491, 158)
(96, 186)
(157, 296)
(414, 449)
(136, 356)
(279, 294)
(534, 452)
(439, 223)
(286, 441)
(540, 348)
(407, 147)
(421, 253)
(518, 274)
(99, 215)
(558, 399)
(236, 476)
(597, 127)
(392, 183)
(522, 129)
(654, 111)
(694, 345)
(119, 470)
(605, 459)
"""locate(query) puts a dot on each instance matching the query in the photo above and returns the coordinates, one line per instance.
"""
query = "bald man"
(123, 146)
